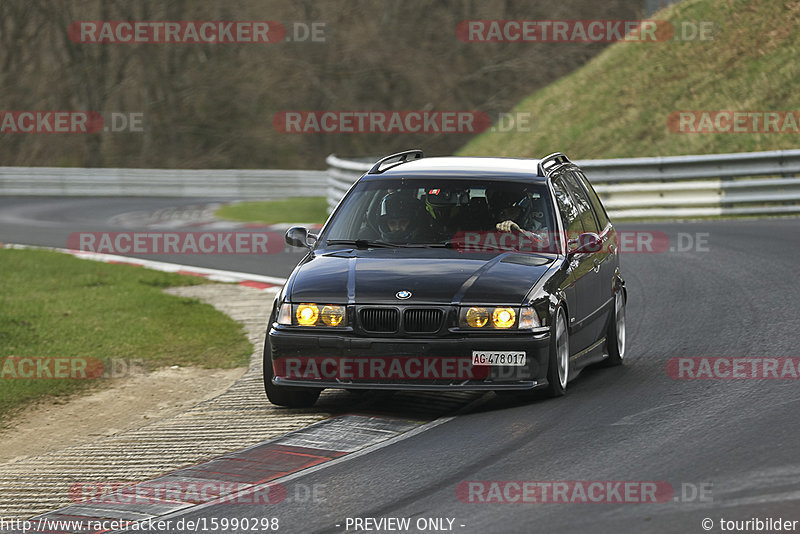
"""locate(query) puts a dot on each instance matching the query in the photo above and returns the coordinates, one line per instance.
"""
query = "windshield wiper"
(483, 247)
(445, 244)
(361, 243)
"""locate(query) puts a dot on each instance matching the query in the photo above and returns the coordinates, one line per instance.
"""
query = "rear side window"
(568, 208)
(582, 203)
(599, 209)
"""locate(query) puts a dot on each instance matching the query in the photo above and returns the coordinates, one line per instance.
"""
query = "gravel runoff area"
(239, 417)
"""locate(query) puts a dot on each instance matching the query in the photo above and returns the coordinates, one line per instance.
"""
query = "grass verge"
(53, 305)
(290, 210)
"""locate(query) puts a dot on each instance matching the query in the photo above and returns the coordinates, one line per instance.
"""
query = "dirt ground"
(126, 404)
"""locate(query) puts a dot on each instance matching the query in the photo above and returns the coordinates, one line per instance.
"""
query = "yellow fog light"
(307, 314)
(477, 317)
(333, 315)
(503, 317)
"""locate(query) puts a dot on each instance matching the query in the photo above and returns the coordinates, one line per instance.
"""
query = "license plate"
(512, 358)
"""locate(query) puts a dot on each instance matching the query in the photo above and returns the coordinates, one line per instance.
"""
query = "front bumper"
(427, 364)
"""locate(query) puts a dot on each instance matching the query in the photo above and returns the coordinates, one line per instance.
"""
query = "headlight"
(307, 314)
(489, 317)
(477, 317)
(312, 314)
(503, 317)
(333, 315)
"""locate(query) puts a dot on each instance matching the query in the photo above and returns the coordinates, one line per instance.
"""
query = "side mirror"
(297, 236)
(586, 242)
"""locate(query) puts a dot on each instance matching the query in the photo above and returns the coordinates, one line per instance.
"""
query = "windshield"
(466, 214)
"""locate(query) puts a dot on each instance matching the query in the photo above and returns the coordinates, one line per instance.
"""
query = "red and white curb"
(256, 281)
(257, 475)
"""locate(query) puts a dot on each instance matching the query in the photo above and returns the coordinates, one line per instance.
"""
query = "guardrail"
(677, 186)
(664, 187)
(211, 183)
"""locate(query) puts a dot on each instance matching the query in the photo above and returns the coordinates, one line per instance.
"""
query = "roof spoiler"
(552, 160)
(401, 158)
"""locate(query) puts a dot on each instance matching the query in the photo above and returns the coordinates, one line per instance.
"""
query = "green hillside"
(617, 105)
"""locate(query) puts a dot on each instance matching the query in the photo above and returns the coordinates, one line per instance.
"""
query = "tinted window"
(425, 210)
(582, 202)
(599, 210)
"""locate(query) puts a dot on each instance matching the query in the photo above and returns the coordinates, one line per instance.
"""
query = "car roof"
(463, 167)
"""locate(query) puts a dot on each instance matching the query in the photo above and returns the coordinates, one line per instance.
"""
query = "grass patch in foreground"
(53, 305)
(290, 210)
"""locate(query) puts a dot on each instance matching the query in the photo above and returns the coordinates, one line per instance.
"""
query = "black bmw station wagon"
(451, 273)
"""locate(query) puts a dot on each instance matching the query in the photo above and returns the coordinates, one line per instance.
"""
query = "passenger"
(401, 218)
(448, 210)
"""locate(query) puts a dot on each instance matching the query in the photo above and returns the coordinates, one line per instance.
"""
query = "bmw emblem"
(403, 295)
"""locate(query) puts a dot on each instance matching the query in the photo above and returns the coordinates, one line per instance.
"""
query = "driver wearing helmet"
(399, 218)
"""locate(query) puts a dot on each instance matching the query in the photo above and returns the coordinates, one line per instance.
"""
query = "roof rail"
(552, 160)
(401, 158)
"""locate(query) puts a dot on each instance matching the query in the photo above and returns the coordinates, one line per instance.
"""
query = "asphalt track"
(738, 439)
(50, 222)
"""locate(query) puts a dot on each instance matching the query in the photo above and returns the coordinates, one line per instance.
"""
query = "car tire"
(558, 364)
(616, 337)
(290, 397)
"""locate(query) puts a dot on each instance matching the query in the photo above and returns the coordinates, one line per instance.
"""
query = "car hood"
(433, 276)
